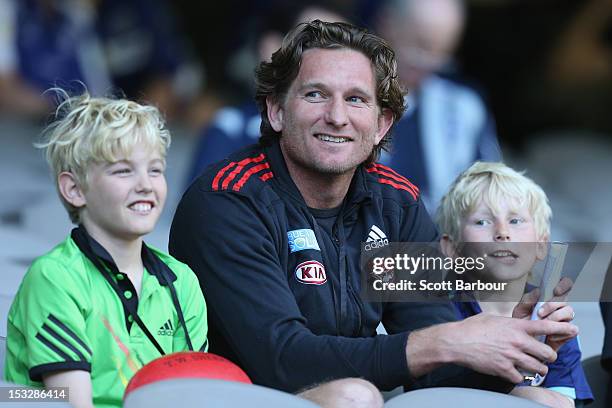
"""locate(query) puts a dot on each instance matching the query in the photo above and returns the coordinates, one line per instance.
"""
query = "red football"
(187, 364)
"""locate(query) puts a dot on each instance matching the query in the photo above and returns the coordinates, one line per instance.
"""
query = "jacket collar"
(358, 190)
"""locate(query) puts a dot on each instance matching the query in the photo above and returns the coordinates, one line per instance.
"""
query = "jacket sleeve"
(235, 249)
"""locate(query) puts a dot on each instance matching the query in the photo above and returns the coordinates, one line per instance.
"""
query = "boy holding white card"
(498, 213)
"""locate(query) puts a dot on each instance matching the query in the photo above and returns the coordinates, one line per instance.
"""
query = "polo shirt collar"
(151, 261)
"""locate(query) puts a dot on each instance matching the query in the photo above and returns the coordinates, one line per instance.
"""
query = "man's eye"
(516, 221)
(314, 94)
(157, 171)
(355, 99)
(482, 222)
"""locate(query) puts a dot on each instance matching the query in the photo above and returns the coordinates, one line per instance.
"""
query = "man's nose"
(337, 113)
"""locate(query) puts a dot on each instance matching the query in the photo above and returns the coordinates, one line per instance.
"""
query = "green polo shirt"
(66, 316)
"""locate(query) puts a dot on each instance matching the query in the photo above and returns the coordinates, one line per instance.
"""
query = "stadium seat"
(197, 392)
(458, 398)
(2, 355)
(599, 380)
(5, 306)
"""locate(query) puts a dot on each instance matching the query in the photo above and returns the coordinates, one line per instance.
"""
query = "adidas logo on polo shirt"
(376, 239)
(166, 329)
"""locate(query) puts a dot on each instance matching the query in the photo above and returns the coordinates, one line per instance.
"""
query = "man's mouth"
(333, 139)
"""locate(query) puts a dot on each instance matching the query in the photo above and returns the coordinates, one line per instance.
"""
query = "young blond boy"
(495, 211)
(101, 304)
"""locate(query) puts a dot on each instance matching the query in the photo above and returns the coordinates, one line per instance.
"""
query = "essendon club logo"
(311, 273)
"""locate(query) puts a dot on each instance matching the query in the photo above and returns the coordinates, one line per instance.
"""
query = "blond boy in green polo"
(102, 303)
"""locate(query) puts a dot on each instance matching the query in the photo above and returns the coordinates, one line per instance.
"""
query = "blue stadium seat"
(2, 355)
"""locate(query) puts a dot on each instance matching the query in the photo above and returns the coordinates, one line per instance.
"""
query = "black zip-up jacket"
(283, 291)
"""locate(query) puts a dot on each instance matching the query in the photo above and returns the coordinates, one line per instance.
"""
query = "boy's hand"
(562, 290)
(529, 300)
(556, 310)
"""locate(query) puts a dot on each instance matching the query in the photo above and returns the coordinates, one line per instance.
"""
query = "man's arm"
(235, 249)
(493, 345)
(78, 383)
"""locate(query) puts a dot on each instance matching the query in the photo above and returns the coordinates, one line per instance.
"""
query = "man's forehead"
(336, 65)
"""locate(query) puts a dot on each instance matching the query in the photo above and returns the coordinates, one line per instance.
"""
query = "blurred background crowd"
(526, 81)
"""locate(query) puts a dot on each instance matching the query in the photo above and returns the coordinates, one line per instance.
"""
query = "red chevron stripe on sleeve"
(392, 178)
(245, 177)
(249, 166)
(390, 170)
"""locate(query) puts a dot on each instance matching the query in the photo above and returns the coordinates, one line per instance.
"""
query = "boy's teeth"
(327, 138)
(141, 207)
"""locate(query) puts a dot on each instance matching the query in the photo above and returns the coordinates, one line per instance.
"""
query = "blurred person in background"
(447, 125)
(235, 127)
(130, 45)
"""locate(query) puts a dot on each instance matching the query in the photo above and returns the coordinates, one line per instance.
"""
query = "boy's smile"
(142, 207)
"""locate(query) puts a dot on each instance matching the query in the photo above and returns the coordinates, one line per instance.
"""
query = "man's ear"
(275, 113)
(385, 120)
(542, 248)
(69, 189)
(447, 245)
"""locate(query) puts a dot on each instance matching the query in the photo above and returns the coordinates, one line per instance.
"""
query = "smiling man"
(330, 123)
(274, 234)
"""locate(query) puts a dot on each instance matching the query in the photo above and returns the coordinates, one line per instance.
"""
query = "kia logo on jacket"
(311, 273)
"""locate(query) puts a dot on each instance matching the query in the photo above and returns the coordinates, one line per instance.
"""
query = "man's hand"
(494, 345)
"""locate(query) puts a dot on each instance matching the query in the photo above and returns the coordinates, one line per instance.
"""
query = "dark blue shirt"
(565, 375)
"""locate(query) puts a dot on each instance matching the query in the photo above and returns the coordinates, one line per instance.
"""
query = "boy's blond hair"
(90, 130)
(492, 182)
